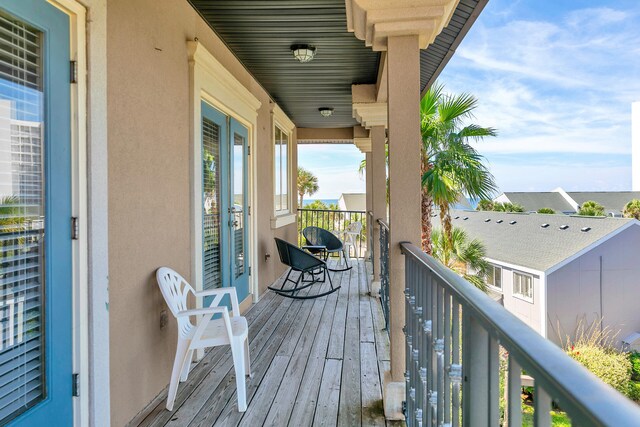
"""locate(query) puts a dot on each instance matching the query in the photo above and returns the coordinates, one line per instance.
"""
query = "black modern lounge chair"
(323, 243)
(303, 263)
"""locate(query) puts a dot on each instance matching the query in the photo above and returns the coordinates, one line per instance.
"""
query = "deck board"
(314, 362)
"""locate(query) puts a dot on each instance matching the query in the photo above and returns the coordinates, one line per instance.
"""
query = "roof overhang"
(261, 32)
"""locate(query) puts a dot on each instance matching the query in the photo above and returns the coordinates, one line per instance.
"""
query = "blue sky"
(556, 78)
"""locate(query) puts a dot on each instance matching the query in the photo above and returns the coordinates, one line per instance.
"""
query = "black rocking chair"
(304, 263)
(323, 243)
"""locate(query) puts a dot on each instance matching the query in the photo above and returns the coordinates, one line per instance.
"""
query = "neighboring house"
(353, 202)
(569, 202)
(554, 270)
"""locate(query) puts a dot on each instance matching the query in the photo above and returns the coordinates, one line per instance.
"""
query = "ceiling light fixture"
(303, 52)
(325, 112)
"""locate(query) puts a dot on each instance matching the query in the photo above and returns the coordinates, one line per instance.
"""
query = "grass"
(558, 418)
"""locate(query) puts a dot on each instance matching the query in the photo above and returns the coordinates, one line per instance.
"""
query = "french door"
(35, 215)
(225, 202)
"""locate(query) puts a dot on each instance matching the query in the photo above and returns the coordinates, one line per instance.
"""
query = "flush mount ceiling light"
(325, 112)
(303, 52)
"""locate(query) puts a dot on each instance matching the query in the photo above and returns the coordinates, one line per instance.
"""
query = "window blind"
(211, 209)
(21, 218)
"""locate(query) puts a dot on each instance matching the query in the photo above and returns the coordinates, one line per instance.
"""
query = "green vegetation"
(634, 386)
(490, 205)
(594, 349)
(320, 206)
(558, 418)
(591, 208)
(507, 207)
(485, 205)
(632, 209)
(463, 256)
(611, 366)
(450, 166)
(546, 211)
(307, 184)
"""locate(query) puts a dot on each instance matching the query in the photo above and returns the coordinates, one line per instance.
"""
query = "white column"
(379, 189)
(404, 192)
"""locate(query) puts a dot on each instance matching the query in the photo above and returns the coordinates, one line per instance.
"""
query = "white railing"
(453, 335)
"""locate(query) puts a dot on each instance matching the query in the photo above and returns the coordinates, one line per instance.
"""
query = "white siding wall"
(527, 311)
(574, 289)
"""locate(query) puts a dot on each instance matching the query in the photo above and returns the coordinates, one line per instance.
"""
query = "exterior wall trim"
(281, 120)
(212, 82)
(85, 362)
(515, 267)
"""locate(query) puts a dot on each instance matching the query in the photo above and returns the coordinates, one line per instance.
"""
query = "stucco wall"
(149, 190)
(527, 311)
(574, 289)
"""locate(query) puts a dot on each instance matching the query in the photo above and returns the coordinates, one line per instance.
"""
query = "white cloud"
(558, 86)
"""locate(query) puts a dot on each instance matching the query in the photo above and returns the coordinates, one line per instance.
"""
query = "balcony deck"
(315, 362)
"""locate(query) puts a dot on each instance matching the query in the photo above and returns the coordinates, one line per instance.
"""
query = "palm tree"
(632, 209)
(485, 205)
(307, 184)
(451, 167)
(591, 208)
(462, 256)
(507, 207)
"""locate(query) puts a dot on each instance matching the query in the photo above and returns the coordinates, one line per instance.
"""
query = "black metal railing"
(370, 248)
(337, 222)
(384, 271)
(454, 333)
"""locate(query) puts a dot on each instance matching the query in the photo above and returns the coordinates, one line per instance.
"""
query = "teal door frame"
(240, 281)
(58, 278)
(228, 128)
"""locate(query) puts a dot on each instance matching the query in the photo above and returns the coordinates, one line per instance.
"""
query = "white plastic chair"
(351, 234)
(227, 330)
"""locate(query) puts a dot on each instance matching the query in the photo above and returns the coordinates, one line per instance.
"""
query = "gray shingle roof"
(526, 243)
(613, 201)
(532, 201)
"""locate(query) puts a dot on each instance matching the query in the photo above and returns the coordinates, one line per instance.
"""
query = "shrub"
(632, 209)
(634, 390)
(611, 366)
(546, 211)
(634, 358)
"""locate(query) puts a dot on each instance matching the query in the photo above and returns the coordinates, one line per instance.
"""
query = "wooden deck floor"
(315, 362)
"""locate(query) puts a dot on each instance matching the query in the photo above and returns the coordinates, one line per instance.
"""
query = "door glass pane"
(238, 228)
(21, 218)
(211, 198)
(284, 183)
(278, 195)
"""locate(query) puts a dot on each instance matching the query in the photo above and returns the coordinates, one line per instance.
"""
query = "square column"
(369, 198)
(378, 168)
(403, 56)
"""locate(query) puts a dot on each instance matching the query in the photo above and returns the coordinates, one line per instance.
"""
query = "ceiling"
(260, 33)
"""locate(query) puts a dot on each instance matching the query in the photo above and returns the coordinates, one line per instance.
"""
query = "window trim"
(280, 121)
(493, 287)
(520, 295)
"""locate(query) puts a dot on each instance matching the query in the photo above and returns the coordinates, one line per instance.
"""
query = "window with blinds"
(22, 380)
(211, 209)
(238, 204)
